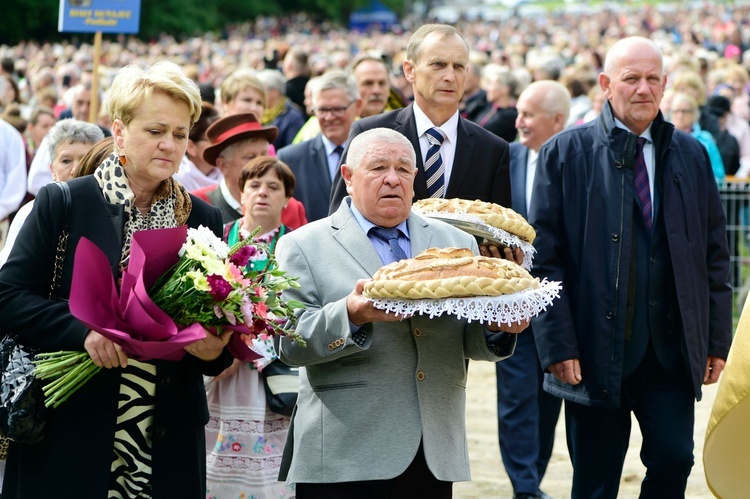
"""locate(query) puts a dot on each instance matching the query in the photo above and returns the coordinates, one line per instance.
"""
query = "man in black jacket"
(474, 162)
(628, 216)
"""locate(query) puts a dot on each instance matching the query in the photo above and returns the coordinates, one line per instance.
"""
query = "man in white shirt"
(12, 175)
(473, 163)
(315, 162)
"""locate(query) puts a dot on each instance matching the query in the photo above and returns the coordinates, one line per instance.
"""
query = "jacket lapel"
(351, 237)
(419, 234)
(320, 166)
(518, 159)
(461, 161)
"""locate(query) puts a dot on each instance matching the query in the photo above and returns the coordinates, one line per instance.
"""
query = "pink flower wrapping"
(131, 319)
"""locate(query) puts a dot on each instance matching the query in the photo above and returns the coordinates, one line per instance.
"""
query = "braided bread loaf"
(449, 273)
(490, 213)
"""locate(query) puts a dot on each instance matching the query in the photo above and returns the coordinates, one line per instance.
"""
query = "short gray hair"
(443, 31)
(72, 131)
(361, 144)
(336, 80)
(273, 79)
(229, 151)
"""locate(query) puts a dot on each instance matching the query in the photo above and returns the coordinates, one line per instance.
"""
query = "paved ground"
(490, 480)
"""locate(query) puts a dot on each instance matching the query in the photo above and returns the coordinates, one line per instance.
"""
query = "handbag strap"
(62, 240)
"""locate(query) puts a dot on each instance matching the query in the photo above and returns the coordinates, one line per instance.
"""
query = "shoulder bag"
(281, 383)
(22, 410)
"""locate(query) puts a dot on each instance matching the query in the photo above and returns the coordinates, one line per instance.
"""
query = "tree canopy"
(37, 19)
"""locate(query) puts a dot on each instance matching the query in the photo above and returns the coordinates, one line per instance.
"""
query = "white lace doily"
(505, 309)
(476, 226)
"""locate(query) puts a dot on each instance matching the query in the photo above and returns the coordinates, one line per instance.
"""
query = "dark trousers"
(416, 482)
(526, 415)
(598, 437)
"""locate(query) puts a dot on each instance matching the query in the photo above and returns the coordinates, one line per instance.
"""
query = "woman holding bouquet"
(244, 439)
(136, 428)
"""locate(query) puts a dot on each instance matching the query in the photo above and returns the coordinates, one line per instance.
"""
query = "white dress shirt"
(12, 169)
(448, 149)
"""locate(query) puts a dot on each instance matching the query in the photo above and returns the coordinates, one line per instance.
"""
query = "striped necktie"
(433, 166)
(642, 188)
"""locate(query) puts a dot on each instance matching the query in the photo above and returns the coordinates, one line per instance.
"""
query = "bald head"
(543, 108)
(633, 82)
(628, 48)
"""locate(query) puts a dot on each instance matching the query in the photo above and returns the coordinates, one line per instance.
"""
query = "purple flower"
(220, 288)
(243, 255)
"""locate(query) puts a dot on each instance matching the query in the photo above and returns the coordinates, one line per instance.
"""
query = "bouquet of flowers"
(209, 285)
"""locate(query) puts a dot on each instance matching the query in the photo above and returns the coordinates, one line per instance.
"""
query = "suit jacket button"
(330, 346)
(417, 332)
(161, 432)
(420, 375)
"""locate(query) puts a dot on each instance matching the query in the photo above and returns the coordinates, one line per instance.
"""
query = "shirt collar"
(646, 134)
(228, 196)
(449, 128)
(532, 156)
(367, 225)
(330, 146)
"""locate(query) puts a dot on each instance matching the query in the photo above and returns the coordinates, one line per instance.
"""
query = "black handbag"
(281, 383)
(22, 410)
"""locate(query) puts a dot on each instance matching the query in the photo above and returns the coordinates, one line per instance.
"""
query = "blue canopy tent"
(375, 16)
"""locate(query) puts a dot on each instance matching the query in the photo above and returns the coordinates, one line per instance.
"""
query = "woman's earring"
(123, 160)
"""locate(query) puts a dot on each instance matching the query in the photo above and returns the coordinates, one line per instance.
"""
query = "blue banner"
(107, 16)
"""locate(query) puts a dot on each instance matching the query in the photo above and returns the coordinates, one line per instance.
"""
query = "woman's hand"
(104, 352)
(210, 347)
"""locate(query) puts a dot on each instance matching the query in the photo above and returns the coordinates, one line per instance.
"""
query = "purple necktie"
(642, 189)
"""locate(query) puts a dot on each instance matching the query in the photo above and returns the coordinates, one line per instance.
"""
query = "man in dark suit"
(315, 162)
(527, 415)
(472, 163)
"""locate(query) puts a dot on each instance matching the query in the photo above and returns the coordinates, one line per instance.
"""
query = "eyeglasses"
(682, 111)
(336, 112)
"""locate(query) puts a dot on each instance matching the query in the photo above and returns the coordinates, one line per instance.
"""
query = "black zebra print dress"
(131, 466)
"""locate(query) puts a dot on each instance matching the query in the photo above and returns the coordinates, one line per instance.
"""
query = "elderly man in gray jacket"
(382, 398)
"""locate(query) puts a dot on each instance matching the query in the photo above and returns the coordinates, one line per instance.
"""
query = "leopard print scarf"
(170, 206)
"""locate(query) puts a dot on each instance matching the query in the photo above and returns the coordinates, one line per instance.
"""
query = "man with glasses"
(336, 104)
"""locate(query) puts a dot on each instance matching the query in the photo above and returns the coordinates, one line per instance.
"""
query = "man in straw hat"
(235, 140)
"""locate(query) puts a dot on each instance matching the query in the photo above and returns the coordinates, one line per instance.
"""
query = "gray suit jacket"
(363, 410)
(309, 163)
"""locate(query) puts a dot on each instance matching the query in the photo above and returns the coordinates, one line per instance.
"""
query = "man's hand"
(505, 328)
(104, 352)
(567, 371)
(494, 250)
(714, 366)
(362, 311)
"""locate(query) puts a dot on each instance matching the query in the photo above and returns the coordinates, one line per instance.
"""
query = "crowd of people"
(323, 138)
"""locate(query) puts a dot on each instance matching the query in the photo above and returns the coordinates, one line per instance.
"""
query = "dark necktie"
(433, 164)
(642, 189)
(337, 152)
(390, 235)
